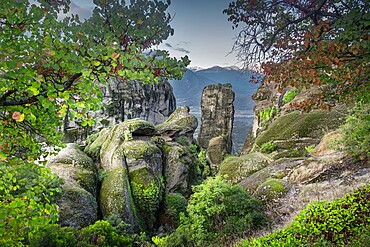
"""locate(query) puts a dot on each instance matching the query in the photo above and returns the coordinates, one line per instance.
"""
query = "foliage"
(27, 192)
(343, 222)
(310, 149)
(356, 131)
(266, 114)
(217, 213)
(101, 233)
(50, 69)
(268, 147)
(54, 235)
(175, 204)
(307, 43)
(290, 95)
(183, 140)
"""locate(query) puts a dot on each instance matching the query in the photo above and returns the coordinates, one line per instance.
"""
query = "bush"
(356, 131)
(175, 204)
(54, 235)
(217, 213)
(102, 234)
(343, 222)
(27, 192)
(290, 95)
(268, 148)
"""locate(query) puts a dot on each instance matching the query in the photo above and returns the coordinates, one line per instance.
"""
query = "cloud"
(82, 12)
(178, 47)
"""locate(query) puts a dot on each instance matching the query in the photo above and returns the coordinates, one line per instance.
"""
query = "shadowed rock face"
(78, 205)
(125, 100)
(217, 114)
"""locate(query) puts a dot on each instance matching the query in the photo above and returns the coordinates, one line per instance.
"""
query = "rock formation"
(217, 114)
(78, 205)
(142, 163)
(124, 100)
(287, 160)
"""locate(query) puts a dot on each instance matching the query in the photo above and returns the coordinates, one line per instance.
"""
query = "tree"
(323, 43)
(49, 67)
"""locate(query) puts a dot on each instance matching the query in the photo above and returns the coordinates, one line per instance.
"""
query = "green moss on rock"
(147, 190)
(292, 132)
(116, 198)
(94, 144)
(272, 188)
(235, 169)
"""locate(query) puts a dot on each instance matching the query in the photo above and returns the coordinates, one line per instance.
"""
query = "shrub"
(27, 192)
(290, 95)
(175, 204)
(343, 222)
(54, 235)
(268, 148)
(217, 213)
(356, 131)
(102, 234)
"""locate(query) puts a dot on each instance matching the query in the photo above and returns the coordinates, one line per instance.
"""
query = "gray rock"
(217, 114)
(78, 205)
(180, 123)
(176, 169)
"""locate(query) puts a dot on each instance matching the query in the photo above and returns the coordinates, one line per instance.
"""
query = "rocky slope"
(289, 160)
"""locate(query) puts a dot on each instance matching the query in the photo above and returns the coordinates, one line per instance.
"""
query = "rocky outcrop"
(123, 100)
(141, 163)
(78, 205)
(180, 123)
(217, 114)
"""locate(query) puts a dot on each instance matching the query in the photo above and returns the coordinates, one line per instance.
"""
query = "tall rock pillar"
(217, 115)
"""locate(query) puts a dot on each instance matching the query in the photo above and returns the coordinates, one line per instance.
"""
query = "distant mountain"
(188, 91)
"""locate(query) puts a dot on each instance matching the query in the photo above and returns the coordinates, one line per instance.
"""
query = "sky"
(201, 31)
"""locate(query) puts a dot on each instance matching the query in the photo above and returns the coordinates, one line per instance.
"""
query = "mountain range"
(188, 90)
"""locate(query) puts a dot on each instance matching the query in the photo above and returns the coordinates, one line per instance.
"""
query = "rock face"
(142, 163)
(217, 114)
(78, 205)
(127, 100)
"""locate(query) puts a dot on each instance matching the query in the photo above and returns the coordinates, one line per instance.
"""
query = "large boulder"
(217, 115)
(116, 198)
(135, 173)
(235, 169)
(176, 169)
(180, 123)
(217, 151)
(78, 205)
(292, 133)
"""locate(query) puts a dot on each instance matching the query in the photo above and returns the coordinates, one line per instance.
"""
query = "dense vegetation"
(51, 69)
(343, 222)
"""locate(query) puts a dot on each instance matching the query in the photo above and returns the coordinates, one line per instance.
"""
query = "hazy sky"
(201, 31)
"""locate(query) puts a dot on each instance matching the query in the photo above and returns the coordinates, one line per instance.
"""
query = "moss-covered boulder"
(77, 207)
(126, 131)
(80, 186)
(147, 190)
(116, 198)
(272, 188)
(293, 132)
(94, 143)
(235, 169)
(217, 150)
(180, 123)
(176, 169)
